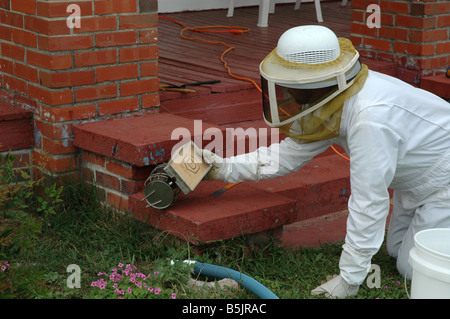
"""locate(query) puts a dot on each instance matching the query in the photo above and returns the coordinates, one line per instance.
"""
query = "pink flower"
(174, 296)
(129, 290)
(150, 288)
(157, 291)
(120, 265)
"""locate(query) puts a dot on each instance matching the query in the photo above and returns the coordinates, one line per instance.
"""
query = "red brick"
(47, 27)
(443, 21)
(358, 16)
(5, 33)
(54, 164)
(148, 36)
(395, 6)
(96, 93)
(138, 53)
(415, 22)
(15, 84)
(114, 39)
(25, 6)
(119, 72)
(115, 6)
(120, 168)
(58, 147)
(70, 113)
(363, 29)
(95, 58)
(150, 100)
(11, 18)
(378, 44)
(149, 69)
(93, 158)
(131, 187)
(6, 66)
(394, 33)
(66, 79)
(59, 9)
(96, 24)
(138, 21)
(429, 8)
(443, 47)
(24, 37)
(65, 43)
(117, 201)
(50, 97)
(428, 35)
(13, 51)
(25, 72)
(56, 131)
(118, 106)
(429, 63)
(356, 40)
(139, 87)
(413, 48)
(107, 180)
(387, 19)
(50, 62)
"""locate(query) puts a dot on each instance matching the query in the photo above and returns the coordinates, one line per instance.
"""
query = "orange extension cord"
(232, 30)
(208, 29)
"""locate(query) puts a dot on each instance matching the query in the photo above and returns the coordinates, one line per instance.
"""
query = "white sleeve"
(373, 154)
(278, 159)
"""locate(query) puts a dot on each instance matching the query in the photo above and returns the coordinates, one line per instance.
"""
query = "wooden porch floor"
(182, 61)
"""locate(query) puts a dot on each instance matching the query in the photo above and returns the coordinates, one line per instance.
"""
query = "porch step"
(438, 84)
(320, 188)
(139, 140)
(201, 218)
(16, 128)
(219, 108)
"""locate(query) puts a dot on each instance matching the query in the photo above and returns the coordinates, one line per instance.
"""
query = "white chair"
(268, 6)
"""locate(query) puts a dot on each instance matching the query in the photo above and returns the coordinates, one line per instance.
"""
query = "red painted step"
(16, 128)
(139, 140)
(321, 187)
(438, 84)
(330, 228)
(201, 218)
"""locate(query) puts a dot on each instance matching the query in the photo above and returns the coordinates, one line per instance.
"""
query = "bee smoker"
(160, 189)
(183, 172)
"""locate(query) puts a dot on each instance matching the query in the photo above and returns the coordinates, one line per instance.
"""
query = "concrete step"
(438, 84)
(321, 187)
(16, 128)
(314, 232)
(200, 217)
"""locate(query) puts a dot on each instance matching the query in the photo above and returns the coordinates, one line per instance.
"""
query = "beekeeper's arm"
(373, 153)
(278, 159)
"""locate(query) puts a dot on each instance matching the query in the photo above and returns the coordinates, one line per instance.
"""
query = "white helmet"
(312, 60)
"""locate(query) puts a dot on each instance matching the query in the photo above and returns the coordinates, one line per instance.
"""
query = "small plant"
(126, 282)
(25, 202)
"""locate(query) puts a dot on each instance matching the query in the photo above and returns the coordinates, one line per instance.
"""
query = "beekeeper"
(317, 92)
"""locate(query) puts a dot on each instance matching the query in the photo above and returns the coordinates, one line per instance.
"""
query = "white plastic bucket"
(430, 260)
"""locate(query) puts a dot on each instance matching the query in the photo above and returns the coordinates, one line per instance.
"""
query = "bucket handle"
(406, 287)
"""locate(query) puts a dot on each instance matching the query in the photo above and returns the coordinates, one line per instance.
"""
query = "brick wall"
(106, 68)
(414, 34)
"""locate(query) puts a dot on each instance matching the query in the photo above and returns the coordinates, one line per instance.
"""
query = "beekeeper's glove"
(337, 287)
(219, 167)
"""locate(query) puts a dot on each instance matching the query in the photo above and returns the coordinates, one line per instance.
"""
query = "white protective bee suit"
(398, 137)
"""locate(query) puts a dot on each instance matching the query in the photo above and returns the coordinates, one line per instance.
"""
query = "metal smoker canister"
(160, 189)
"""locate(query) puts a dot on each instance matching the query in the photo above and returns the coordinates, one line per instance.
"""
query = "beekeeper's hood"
(306, 80)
